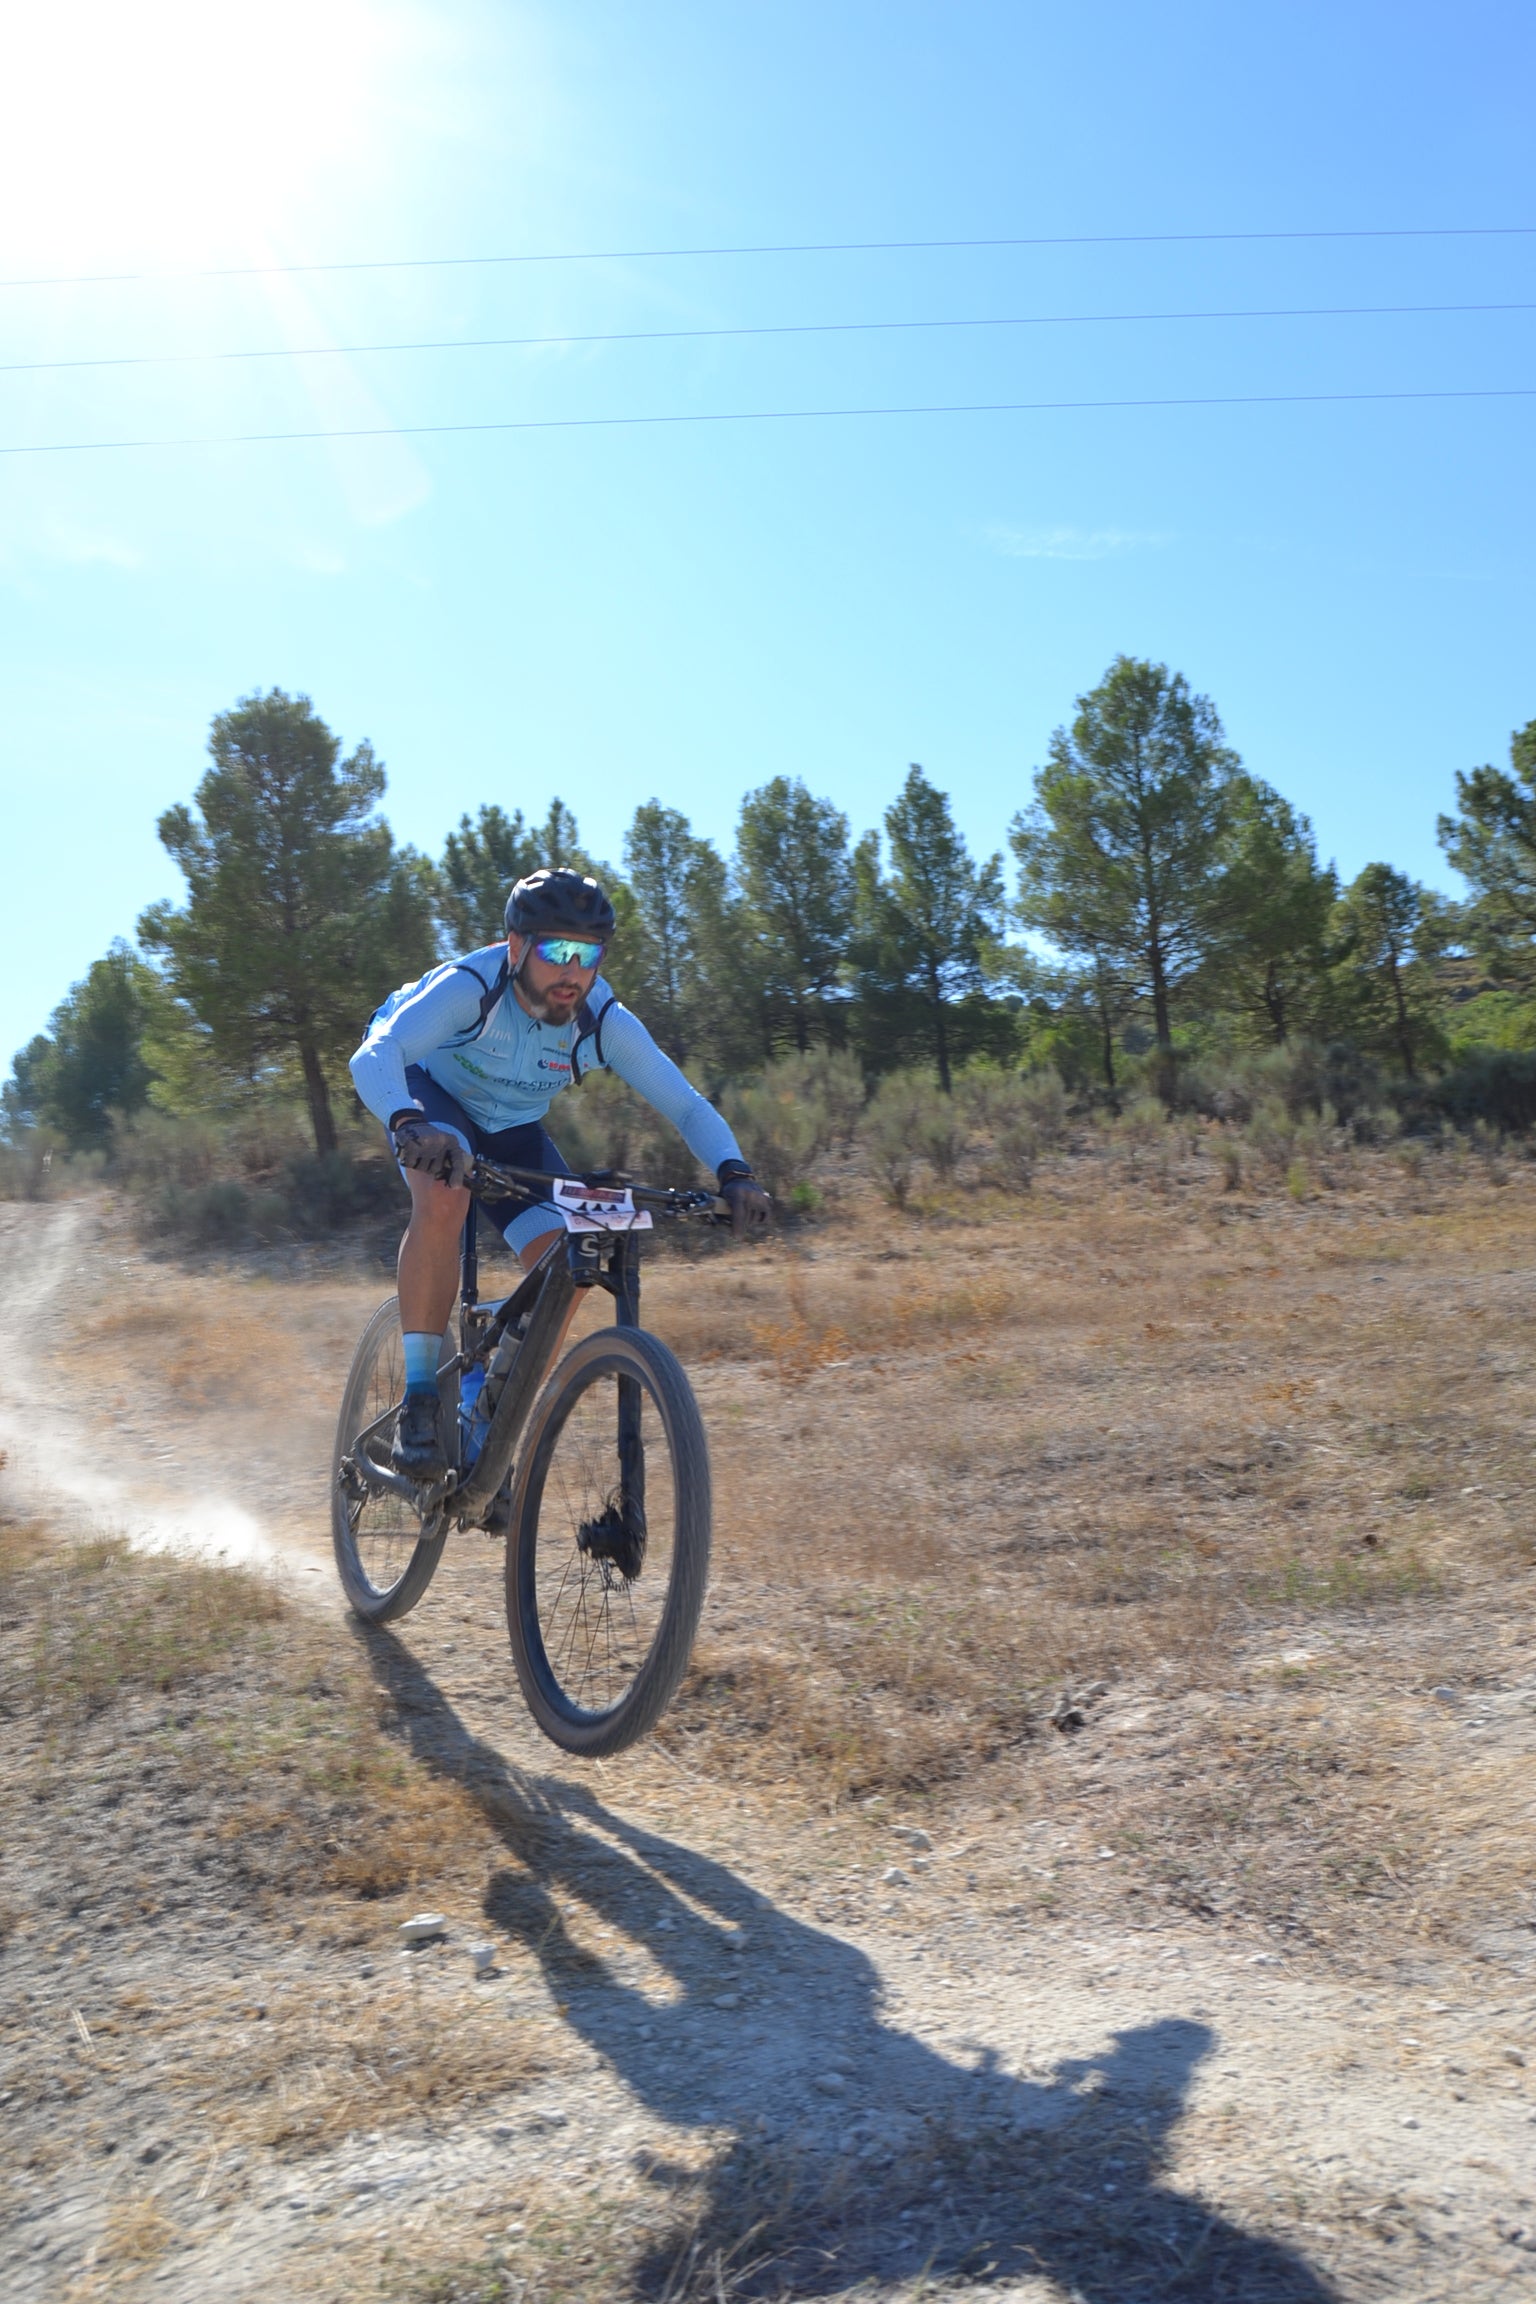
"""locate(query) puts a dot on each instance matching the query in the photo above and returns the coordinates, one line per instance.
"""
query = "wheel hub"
(613, 1540)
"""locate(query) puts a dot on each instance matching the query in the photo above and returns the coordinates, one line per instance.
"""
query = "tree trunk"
(1109, 1060)
(1162, 1026)
(940, 1036)
(1404, 1030)
(802, 1035)
(318, 1098)
(1274, 1003)
(1107, 1042)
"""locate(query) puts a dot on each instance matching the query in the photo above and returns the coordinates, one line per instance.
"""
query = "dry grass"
(101, 1621)
(277, 1746)
(1124, 1435)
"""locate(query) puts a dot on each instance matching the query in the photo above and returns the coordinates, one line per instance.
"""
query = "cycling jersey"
(467, 1029)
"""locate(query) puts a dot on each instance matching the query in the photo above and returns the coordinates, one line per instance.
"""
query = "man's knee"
(438, 1209)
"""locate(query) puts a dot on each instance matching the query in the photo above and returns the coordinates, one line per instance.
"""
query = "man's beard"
(538, 1004)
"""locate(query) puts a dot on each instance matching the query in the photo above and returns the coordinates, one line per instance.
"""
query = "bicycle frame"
(519, 1336)
(526, 1326)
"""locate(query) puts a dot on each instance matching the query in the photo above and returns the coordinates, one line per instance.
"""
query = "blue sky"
(685, 610)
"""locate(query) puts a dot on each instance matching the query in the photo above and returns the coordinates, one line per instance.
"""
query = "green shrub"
(1044, 1098)
(781, 1124)
(891, 1130)
(1002, 1110)
(1497, 1086)
(794, 1112)
(836, 1079)
(1272, 1133)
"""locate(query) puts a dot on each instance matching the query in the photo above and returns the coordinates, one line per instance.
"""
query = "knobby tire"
(384, 1562)
(600, 1653)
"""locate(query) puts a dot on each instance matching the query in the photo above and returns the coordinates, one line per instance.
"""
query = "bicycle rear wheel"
(384, 1561)
(609, 1550)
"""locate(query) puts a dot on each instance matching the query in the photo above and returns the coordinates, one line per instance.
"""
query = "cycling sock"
(421, 1352)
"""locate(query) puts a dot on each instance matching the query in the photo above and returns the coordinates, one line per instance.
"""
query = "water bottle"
(471, 1385)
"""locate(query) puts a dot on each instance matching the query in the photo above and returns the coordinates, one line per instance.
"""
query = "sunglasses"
(568, 951)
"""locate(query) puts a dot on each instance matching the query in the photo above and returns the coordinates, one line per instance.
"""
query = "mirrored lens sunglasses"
(568, 951)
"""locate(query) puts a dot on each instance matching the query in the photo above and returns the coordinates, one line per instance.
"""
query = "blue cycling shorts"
(528, 1146)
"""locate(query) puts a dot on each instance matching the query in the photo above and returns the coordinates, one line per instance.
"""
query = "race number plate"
(599, 1208)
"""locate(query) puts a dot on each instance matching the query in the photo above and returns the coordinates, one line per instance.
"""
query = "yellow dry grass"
(1139, 1434)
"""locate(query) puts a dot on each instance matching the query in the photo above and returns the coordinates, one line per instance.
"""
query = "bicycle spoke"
(599, 1623)
(378, 1534)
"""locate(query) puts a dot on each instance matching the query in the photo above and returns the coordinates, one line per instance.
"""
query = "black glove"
(751, 1208)
(418, 1144)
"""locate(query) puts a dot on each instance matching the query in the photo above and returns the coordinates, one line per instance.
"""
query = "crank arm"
(424, 1501)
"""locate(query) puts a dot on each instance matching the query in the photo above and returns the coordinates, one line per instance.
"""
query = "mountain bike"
(597, 1475)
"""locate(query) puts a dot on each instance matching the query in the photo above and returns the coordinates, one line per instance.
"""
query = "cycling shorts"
(528, 1146)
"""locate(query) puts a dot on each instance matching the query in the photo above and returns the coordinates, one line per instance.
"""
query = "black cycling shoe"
(417, 1448)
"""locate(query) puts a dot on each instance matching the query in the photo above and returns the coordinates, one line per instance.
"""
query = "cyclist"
(467, 1061)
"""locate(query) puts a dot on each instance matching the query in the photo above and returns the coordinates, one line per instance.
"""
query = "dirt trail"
(1275, 2129)
(70, 1437)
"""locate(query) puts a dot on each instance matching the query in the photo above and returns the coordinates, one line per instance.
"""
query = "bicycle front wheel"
(609, 1550)
(384, 1561)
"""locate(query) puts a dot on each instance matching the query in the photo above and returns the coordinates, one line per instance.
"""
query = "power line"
(765, 416)
(688, 335)
(779, 248)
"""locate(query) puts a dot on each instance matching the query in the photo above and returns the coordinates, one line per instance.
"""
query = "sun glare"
(177, 132)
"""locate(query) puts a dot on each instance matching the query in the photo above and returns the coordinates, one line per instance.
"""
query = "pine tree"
(301, 913)
(1121, 855)
(797, 884)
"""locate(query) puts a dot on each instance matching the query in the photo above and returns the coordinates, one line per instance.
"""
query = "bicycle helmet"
(561, 902)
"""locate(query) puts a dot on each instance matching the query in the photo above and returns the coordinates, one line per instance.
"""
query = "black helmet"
(559, 903)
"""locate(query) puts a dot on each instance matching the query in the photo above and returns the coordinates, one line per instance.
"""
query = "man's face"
(551, 990)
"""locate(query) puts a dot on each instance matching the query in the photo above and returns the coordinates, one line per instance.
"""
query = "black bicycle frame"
(540, 1304)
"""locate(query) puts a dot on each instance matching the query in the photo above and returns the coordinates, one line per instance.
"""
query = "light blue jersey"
(465, 1026)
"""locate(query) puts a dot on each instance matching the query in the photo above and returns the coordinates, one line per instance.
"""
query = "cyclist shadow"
(852, 2150)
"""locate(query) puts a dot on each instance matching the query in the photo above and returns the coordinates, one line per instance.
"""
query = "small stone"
(1407, 2121)
(894, 1877)
(423, 1928)
(727, 1999)
(913, 1834)
(1443, 1695)
(831, 2083)
(483, 1959)
(1514, 2056)
(666, 1921)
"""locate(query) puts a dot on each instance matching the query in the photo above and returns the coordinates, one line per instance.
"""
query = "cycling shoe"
(417, 1449)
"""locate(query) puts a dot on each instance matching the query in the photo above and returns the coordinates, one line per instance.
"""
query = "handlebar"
(659, 1200)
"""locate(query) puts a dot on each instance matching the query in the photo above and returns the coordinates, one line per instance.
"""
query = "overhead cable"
(762, 416)
(780, 248)
(690, 335)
